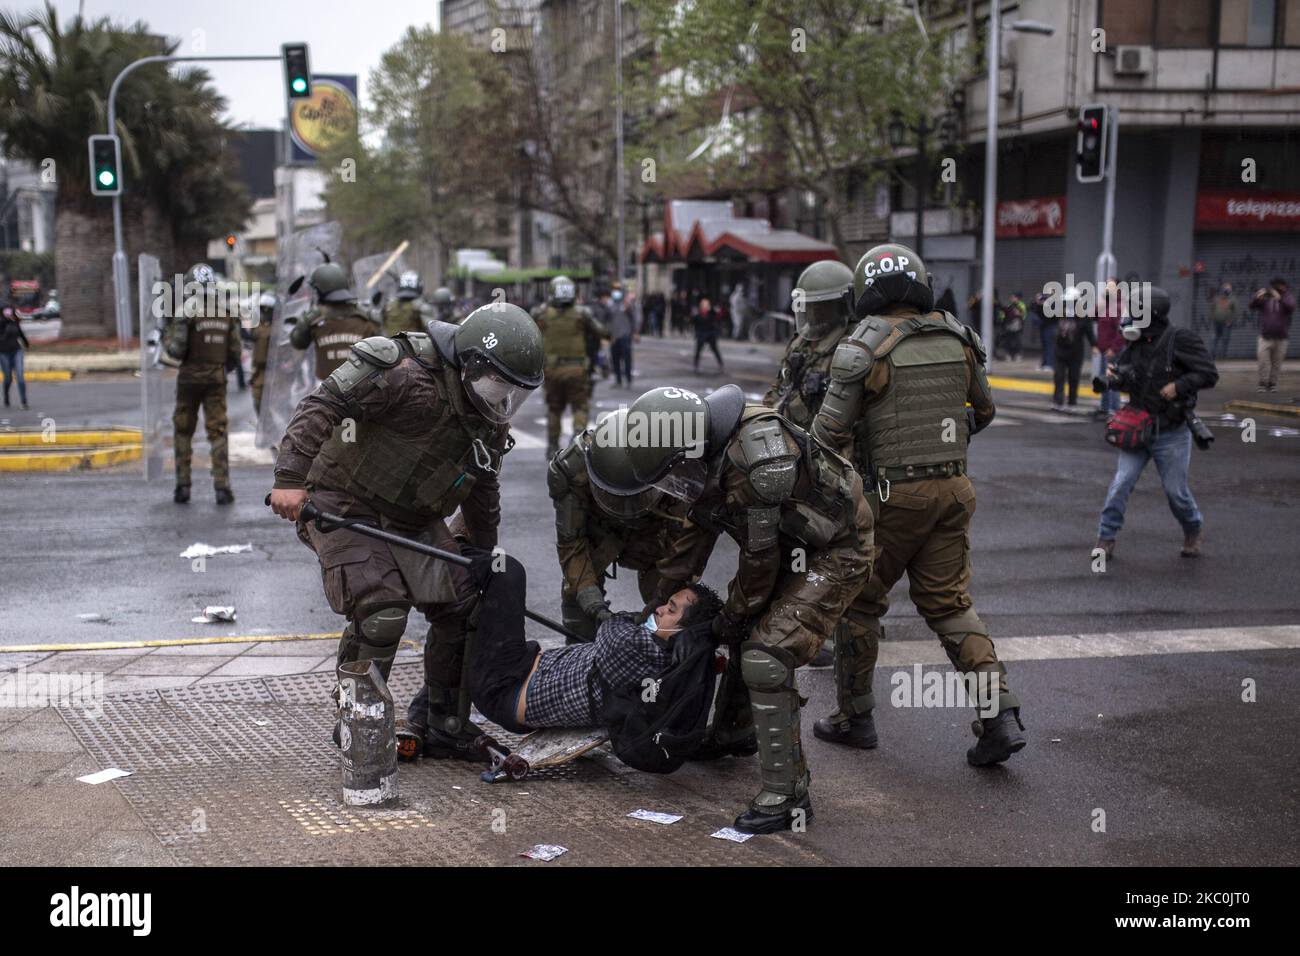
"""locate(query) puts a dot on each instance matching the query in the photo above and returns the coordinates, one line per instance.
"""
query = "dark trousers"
(620, 355)
(1068, 363)
(501, 657)
(711, 342)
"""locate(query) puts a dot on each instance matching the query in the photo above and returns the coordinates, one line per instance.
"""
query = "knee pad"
(764, 668)
(383, 623)
(952, 630)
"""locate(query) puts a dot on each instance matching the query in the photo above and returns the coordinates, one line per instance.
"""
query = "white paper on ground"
(103, 776)
(201, 550)
(654, 816)
(729, 833)
(545, 851)
(214, 614)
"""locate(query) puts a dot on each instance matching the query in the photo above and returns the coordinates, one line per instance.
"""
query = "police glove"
(480, 568)
(594, 605)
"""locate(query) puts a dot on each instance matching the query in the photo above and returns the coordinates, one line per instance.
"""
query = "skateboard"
(550, 747)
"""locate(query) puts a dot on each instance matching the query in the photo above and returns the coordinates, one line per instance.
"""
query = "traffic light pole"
(1106, 264)
(121, 279)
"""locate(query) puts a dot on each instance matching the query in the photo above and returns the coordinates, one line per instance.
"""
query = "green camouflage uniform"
(564, 331)
(201, 382)
(405, 315)
(333, 328)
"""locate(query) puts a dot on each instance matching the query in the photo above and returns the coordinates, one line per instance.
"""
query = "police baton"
(327, 522)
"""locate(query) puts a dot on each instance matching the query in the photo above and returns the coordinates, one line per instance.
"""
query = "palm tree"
(180, 182)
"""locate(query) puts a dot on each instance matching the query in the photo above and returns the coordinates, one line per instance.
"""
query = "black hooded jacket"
(1142, 370)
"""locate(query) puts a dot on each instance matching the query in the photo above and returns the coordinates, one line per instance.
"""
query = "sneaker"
(1261, 388)
(225, 496)
(1191, 544)
(1107, 545)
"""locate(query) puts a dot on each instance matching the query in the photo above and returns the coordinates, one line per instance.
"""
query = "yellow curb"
(69, 460)
(49, 375)
(37, 438)
(176, 642)
(1021, 385)
(1267, 408)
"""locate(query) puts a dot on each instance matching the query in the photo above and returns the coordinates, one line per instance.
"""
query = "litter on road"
(655, 817)
(201, 550)
(729, 833)
(214, 614)
(104, 776)
(545, 852)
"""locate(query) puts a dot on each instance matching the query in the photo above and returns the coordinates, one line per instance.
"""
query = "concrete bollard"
(367, 737)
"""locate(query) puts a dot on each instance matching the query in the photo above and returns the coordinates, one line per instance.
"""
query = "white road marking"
(1132, 644)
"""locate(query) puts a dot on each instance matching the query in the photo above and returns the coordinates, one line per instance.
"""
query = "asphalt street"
(1162, 743)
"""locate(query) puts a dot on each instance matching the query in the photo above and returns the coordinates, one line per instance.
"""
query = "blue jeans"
(11, 363)
(1172, 451)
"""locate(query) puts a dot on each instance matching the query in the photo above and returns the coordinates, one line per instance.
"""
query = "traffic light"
(1090, 151)
(105, 165)
(231, 241)
(297, 71)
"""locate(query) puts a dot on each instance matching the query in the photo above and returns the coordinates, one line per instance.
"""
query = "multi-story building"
(1208, 161)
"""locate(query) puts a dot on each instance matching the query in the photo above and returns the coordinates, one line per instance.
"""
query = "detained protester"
(521, 687)
(1162, 368)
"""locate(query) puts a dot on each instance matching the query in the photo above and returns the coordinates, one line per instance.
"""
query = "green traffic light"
(299, 85)
(106, 178)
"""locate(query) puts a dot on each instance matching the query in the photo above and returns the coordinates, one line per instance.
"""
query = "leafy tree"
(181, 187)
(808, 91)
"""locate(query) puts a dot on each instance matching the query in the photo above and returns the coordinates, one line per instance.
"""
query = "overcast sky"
(346, 36)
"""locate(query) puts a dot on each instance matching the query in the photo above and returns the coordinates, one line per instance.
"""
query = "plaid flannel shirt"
(563, 693)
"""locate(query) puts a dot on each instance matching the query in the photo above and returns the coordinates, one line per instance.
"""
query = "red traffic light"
(230, 241)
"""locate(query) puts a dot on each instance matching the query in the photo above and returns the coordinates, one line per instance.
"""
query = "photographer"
(1162, 368)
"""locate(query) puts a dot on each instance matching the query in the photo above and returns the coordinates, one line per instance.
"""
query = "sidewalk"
(1237, 381)
(230, 763)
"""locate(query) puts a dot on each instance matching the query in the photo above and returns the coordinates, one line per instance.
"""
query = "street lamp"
(991, 160)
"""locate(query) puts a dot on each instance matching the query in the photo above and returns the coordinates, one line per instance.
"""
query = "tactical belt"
(569, 361)
(901, 473)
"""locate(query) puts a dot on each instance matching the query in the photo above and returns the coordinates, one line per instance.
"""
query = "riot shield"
(290, 373)
(153, 392)
(378, 273)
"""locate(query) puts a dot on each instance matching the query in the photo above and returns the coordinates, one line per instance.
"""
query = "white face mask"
(653, 627)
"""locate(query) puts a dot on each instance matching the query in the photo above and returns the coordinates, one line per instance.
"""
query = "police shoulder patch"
(851, 362)
(378, 350)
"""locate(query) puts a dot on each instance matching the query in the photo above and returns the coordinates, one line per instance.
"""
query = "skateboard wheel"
(516, 767)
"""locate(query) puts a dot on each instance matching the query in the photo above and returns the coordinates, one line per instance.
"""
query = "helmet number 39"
(490, 340)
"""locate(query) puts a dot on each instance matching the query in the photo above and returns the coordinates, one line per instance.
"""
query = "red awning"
(700, 229)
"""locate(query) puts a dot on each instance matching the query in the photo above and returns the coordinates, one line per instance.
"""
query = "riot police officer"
(796, 510)
(431, 413)
(897, 407)
(204, 343)
(444, 306)
(261, 335)
(406, 312)
(335, 324)
(565, 327)
(821, 316)
(595, 530)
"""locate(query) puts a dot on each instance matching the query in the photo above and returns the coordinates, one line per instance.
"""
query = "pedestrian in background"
(12, 343)
(1046, 331)
(621, 327)
(1014, 323)
(1073, 340)
(1223, 313)
(1109, 343)
(1274, 306)
(706, 332)
(739, 310)
(1162, 368)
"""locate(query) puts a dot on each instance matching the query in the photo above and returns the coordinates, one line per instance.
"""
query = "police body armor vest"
(402, 315)
(564, 341)
(207, 341)
(336, 329)
(925, 402)
(801, 395)
(820, 506)
(416, 479)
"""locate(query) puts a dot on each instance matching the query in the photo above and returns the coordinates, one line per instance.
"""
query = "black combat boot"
(450, 736)
(779, 818)
(859, 731)
(999, 737)
(181, 495)
(225, 496)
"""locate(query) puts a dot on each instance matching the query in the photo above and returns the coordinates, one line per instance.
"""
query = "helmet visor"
(626, 506)
(817, 318)
(684, 481)
(495, 397)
